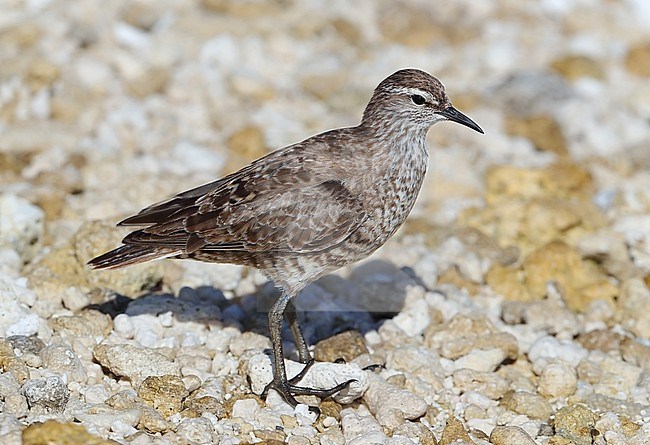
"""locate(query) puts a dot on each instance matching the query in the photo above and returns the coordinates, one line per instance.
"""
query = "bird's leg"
(280, 383)
(304, 356)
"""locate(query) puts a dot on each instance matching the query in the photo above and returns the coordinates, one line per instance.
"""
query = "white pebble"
(246, 409)
(392, 405)
(96, 394)
(557, 380)
(414, 319)
(550, 348)
(481, 360)
(22, 225)
(123, 326)
(195, 431)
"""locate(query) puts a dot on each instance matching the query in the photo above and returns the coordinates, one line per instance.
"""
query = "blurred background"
(108, 106)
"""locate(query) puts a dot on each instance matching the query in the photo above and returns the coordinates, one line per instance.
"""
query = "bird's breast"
(395, 191)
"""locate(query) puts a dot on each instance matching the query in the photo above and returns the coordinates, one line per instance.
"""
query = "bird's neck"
(398, 146)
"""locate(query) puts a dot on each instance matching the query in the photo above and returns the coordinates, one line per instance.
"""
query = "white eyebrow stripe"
(410, 91)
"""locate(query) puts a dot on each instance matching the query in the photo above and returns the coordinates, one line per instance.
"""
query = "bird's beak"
(456, 116)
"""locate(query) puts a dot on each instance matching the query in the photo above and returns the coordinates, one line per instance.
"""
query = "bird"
(304, 210)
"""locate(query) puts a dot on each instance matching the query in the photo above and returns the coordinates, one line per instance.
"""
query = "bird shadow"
(373, 292)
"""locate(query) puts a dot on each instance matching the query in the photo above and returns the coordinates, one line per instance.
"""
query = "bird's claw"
(288, 390)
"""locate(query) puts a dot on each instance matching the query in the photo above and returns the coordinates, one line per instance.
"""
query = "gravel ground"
(512, 308)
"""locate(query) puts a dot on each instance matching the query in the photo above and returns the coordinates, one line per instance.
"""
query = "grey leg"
(280, 383)
(301, 345)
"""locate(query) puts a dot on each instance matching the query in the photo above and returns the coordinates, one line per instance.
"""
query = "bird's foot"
(288, 390)
(298, 377)
(373, 367)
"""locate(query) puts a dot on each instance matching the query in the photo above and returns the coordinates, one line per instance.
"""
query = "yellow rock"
(559, 263)
(563, 179)
(244, 146)
(10, 363)
(455, 432)
(574, 67)
(454, 277)
(508, 281)
(66, 267)
(164, 393)
(150, 81)
(543, 131)
(56, 433)
(42, 73)
(637, 60)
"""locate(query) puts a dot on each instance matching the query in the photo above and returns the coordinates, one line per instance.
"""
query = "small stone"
(75, 299)
(96, 394)
(562, 264)
(14, 402)
(418, 361)
(21, 226)
(152, 421)
(196, 431)
(148, 81)
(104, 416)
(123, 326)
(42, 73)
(487, 383)
(61, 358)
(463, 334)
(637, 60)
(196, 406)
(528, 404)
(453, 276)
(164, 393)
(244, 146)
(271, 436)
(360, 427)
(248, 341)
(549, 348)
(635, 298)
(410, 25)
(10, 429)
(347, 345)
(484, 360)
(510, 435)
(454, 432)
(15, 317)
(246, 408)
(62, 433)
(10, 363)
(417, 431)
(576, 66)
(557, 380)
(601, 340)
(134, 363)
(543, 131)
(392, 405)
(507, 281)
(636, 353)
(575, 423)
(76, 326)
(46, 395)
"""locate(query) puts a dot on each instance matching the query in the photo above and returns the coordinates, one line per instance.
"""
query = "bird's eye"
(417, 99)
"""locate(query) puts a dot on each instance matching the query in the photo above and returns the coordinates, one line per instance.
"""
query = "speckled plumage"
(306, 209)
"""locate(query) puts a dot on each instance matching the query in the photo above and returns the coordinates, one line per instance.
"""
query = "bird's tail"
(127, 255)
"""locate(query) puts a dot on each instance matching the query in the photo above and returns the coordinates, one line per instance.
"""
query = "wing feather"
(276, 204)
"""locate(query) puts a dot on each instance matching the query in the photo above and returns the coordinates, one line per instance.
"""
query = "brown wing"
(268, 206)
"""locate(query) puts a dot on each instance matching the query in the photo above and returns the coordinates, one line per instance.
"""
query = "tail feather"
(128, 255)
